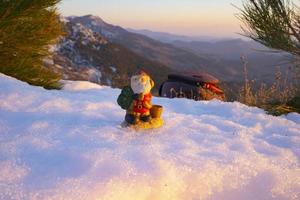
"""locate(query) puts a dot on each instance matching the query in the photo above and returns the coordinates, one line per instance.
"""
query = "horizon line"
(161, 31)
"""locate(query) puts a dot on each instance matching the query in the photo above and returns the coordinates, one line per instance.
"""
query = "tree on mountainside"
(27, 29)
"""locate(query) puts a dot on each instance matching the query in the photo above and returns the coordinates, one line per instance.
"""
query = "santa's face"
(141, 84)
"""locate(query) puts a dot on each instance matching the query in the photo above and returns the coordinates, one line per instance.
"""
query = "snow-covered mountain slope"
(175, 58)
(69, 144)
(84, 54)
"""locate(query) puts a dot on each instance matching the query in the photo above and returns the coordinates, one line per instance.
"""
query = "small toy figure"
(136, 100)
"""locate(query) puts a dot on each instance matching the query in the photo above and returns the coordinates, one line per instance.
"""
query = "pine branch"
(27, 28)
(270, 22)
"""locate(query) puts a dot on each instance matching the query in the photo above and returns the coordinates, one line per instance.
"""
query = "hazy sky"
(188, 17)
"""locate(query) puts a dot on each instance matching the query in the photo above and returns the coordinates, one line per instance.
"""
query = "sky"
(215, 18)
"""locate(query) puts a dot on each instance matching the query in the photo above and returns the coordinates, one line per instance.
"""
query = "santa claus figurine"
(141, 85)
(136, 100)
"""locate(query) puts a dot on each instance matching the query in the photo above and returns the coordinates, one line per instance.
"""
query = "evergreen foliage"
(273, 23)
(27, 29)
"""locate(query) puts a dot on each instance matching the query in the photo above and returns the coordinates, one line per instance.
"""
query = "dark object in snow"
(197, 86)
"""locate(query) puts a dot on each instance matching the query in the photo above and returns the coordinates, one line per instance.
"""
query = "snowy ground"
(69, 145)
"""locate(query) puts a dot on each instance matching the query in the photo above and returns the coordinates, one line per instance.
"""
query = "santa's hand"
(147, 105)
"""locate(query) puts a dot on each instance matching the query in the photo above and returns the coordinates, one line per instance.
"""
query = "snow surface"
(68, 144)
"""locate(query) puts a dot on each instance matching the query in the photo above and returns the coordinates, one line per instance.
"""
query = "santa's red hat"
(140, 73)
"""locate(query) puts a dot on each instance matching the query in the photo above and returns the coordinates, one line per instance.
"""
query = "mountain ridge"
(122, 53)
(84, 54)
(175, 58)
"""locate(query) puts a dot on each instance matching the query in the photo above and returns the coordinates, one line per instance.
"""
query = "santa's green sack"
(125, 98)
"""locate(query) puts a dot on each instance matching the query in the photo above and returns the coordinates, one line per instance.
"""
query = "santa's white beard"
(139, 88)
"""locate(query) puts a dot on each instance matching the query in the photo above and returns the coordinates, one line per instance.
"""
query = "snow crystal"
(69, 144)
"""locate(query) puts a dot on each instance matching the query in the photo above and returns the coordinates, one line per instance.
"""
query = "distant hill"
(226, 54)
(262, 64)
(169, 37)
(228, 49)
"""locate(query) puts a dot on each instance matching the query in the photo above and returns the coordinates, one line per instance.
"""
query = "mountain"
(84, 54)
(221, 58)
(227, 49)
(262, 63)
(167, 54)
(102, 53)
(169, 37)
(226, 54)
(69, 144)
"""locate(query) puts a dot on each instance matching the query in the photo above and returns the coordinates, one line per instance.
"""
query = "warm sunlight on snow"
(69, 145)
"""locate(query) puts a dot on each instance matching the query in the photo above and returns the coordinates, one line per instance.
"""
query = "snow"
(113, 69)
(69, 144)
(293, 117)
(94, 75)
(79, 85)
